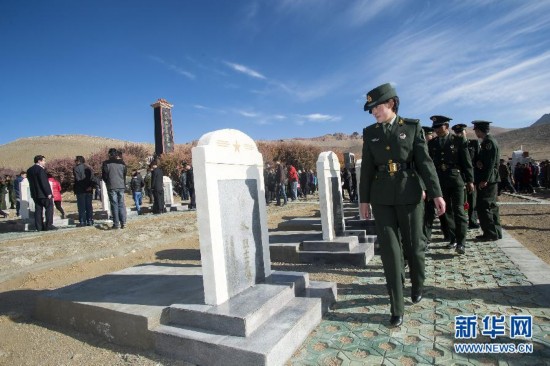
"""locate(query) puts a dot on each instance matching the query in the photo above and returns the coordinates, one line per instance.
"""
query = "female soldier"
(395, 158)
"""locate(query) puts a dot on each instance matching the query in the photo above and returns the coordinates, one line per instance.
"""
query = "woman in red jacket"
(56, 190)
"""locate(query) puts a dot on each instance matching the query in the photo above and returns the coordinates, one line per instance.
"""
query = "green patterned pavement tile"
(483, 282)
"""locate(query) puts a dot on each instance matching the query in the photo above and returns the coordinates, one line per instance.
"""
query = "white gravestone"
(330, 195)
(27, 203)
(168, 191)
(231, 214)
(105, 204)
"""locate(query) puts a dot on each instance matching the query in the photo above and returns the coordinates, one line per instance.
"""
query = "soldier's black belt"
(394, 167)
(444, 167)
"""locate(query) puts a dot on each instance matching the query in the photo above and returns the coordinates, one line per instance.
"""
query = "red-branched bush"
(62, 170)
(298, 154)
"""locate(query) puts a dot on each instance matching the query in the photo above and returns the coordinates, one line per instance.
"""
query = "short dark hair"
(80, 159)
(22, 172)
(113, 152)
(37, 158)
(395, 104)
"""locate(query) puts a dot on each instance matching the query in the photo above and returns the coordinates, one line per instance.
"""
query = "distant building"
(164, 131)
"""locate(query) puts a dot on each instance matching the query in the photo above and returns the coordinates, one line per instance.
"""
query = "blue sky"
(272, 69)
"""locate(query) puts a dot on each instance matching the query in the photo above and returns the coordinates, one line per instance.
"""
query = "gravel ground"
(35, 262)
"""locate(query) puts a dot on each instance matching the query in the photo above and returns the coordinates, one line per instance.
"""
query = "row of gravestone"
(27, 204)
(250, 314)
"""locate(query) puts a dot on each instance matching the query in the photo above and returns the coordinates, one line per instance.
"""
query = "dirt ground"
(34, 262)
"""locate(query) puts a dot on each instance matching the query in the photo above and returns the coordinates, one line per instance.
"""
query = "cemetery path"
(34, 262)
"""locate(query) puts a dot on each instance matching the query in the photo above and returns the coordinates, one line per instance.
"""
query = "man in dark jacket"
(41, 193)
(136, 185)
(183, 182)
(191, 187)
(280, 176)
(113, 173)
(157, 188)
(83, 188)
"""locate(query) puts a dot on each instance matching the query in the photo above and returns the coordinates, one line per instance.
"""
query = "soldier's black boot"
(461, 249)
(396, 320)
(416, 296)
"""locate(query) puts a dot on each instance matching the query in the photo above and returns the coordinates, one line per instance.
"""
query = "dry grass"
(19, 154)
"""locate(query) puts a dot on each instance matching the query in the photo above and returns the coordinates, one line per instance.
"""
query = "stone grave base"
(309, 247)
(16, 225)
(161, 307)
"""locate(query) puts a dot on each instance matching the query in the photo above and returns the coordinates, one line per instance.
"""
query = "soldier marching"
(454, 170)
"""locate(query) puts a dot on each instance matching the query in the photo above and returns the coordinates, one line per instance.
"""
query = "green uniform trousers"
(429, 217)
(455, 215)
(399, 230)
(488, 212)
(472, 212)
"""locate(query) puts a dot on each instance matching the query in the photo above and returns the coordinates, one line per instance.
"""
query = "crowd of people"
(283, 182)
(45, 190)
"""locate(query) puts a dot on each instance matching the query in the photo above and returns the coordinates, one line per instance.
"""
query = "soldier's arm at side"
(424, 164)
(367, 174)
(466, 166)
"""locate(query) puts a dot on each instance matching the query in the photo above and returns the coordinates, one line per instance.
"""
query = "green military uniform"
(486, 170)
(429, 207)
(454, 169)
(394, 165)
(473, 149)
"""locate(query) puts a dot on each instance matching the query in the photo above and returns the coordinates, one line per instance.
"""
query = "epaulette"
(410, 121)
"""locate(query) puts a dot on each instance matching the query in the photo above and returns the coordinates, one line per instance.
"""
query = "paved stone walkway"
(484, 281)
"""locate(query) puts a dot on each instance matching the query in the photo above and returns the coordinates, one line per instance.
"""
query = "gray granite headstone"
(337, 208)
(241, 230)
(232, 219)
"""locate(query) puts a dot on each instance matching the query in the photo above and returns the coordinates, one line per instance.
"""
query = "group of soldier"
(467, 171)
(402, 165)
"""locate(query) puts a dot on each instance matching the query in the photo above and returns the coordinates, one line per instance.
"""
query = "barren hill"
(19, 154)
(353, 143)
(534, 139)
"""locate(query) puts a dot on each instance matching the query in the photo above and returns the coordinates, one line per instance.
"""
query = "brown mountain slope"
(534, 139)
(353, 143)
(19, 154)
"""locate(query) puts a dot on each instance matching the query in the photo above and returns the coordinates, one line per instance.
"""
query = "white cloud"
(174, 68)
(501, 66)
(362, 11)
(248, 114)
(317, 117)
(245, 70)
